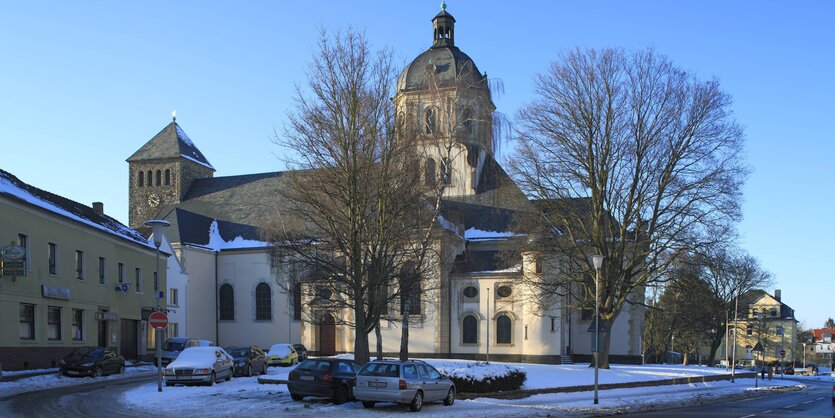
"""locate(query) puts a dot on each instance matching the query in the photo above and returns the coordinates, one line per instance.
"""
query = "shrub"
(481, 377)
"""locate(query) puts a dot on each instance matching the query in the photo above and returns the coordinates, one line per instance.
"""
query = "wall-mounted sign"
(55, 292)
(14, 268)
(13, 253)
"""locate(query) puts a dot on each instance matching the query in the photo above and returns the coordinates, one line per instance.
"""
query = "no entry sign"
(158, 320)
(782, 353)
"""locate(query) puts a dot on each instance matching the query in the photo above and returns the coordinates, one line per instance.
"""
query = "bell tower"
(444, 28)
(161, 173)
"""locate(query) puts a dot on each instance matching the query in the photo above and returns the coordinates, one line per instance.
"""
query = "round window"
(470, 292)
(504, 291)
(323, 293)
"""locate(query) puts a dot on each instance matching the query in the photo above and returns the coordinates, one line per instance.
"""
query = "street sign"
(158, 320)
(782, 353)
(13, 252)
(758, 347)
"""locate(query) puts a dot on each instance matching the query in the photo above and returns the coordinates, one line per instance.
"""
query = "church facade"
(479, 305)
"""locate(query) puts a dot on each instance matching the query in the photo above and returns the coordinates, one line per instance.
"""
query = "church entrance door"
(327, 335)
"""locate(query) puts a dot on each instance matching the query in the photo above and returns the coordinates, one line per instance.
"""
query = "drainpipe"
(217, 303)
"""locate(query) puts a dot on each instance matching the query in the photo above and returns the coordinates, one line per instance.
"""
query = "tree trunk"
(404, 331)
(715, 342)
(361, 354)
(603, 355)
(379, 335)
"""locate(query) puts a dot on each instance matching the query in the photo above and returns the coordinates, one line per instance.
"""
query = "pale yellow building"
(763, 318)
(87, 279)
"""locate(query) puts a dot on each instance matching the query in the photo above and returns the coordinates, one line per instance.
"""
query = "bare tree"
(354, 213)
(631, 158)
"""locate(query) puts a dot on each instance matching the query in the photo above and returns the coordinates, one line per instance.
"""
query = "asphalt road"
(89, 400)
(811, 402)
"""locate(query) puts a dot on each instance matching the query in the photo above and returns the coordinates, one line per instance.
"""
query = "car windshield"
(173, 345)
(315, 365)
(238, 352)
(381, 369)
(280, 350)
(87, 352)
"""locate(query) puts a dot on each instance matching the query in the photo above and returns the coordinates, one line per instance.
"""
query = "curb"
(524, 393)
(268, 381)
(53, 371)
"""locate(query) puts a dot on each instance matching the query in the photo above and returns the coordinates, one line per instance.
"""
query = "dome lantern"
(443, 25)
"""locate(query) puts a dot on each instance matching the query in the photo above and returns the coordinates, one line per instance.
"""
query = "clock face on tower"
(153, 200)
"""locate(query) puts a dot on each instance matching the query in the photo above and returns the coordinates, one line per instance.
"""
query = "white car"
(200, 365)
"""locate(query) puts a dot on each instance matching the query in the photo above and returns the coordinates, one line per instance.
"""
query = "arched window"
(150, 178)
(227, 303)
(297, 301)
(409, 289)
(141, 180)
(469, 330)
(263, 305)
(429, 120)
(159, 178)
(429, 172)
(167, 177)
(466, 121)
(503, 328)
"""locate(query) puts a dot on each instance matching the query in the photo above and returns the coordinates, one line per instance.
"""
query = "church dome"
(443, 60)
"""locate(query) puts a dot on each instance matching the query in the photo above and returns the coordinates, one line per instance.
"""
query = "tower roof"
(170, 142)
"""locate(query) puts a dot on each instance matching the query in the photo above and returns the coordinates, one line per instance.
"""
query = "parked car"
(200, 365)
(91, 361)
(330, 377)
(301, 350)
(172, 347)
(788, 370)
(205, 343)
(410, 382)
(248, 359)
(283, 354)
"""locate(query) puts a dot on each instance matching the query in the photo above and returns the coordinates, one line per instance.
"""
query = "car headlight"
(241, 363)
(86, 364)
(201, 371)
(169, 372)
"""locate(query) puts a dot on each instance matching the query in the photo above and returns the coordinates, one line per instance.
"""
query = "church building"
(231, 282)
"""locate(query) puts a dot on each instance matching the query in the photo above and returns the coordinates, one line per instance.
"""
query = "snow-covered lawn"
(245, 397)
(54, 380)
(7, 374)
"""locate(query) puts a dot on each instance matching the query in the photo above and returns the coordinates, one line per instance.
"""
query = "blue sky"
(84, 84)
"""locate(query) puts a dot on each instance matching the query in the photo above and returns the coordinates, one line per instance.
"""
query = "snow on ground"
(55, 380)
(245, 397)
(7, 373)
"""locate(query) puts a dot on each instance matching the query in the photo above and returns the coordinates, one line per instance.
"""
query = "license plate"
(376, 384)
(72, 372)
(306, 378)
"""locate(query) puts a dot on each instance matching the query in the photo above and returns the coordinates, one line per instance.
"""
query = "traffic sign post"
(158, 320)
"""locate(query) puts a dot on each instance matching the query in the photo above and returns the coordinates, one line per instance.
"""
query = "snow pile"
(49, 381)
(477, 370)
(217, 243)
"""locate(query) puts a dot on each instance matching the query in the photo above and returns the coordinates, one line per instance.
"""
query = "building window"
(150, 178)
(429, 172)
(159, 178)
(754, 312)
(537, 266)
(470, 292)
(773, 313)
(138, 279)
(409, 289)
(467, 122)
(141, 181)
(167, 177)
(53, 323)
(446, 171)
(121, 272)
(27, 321)
(503, 328)
(749, 329)
(156, 282)
(526, 332)
(586, 314)
(79, 264)
(469, 330)
(77, 324)
(504, 292)
(227, 303)
(53, 258)
(263, 302)
(102, 270)
(173, 298)
(553, 324)
(23, 241)
(429, 120)
(297, 301)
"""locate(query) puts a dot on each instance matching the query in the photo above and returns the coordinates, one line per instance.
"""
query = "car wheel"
(296, 397)
(368, 404)
(417, 402)
(265, 369)
(450, 397)
(99, 371)
(340, 395)
(122, 369)
(249, 370)
(168, 384)
(212, 380)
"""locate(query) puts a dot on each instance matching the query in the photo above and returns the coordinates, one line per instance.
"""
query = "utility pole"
(733, 358)
(158, 226)
(488, 325)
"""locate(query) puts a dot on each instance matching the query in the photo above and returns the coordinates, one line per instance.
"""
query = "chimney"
(98, 207)
(777, 294)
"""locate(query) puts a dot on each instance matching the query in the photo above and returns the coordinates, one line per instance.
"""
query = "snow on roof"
(13, 187)
(195, 156)
(517, 268)
(480, 235)
(217, 243)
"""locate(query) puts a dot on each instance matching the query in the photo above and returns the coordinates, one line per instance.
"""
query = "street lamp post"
(488, 326)
(733, 354)
(804, 355)
(158, 227)
(597, 260)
